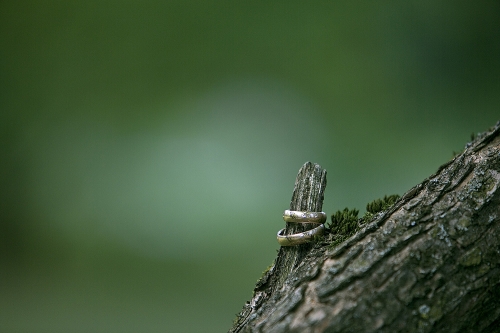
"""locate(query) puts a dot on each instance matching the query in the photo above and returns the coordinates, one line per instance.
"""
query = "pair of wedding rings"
(295, 216)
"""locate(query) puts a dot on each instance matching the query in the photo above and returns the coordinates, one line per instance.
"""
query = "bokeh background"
(149, 148)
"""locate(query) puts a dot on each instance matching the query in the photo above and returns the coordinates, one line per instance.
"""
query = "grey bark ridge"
(431, 263)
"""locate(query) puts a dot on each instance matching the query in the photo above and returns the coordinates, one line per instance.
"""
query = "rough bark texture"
(431, 263)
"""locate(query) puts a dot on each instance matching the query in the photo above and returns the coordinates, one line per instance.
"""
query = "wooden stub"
(307, 195)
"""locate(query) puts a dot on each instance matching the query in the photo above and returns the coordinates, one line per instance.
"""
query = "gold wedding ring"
(304, 217)
(300, 238)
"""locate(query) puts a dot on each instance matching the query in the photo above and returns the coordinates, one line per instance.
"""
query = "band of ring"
(299, 238)
(304, 217)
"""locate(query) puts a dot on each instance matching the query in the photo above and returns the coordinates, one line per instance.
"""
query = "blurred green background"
(149, 148)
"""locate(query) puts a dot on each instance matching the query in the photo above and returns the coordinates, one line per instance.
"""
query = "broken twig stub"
(308, 194)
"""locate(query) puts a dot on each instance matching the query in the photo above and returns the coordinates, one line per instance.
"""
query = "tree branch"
(430, 263)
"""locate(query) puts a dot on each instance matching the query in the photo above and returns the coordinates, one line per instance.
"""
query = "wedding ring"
(299, 238)
(304, 217)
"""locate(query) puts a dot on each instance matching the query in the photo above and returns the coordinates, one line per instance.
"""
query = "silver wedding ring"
(304, 217)
(300, 238)
(296, 216)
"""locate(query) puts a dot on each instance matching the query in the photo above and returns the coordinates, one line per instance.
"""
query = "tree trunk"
(430, 263)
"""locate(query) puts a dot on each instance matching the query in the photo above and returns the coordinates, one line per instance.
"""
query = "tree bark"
(430, 263)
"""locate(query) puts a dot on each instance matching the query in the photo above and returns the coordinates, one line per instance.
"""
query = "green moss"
(367, 216)
(344, 223)
(318, 239)
(337, 239)
(379, 205)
